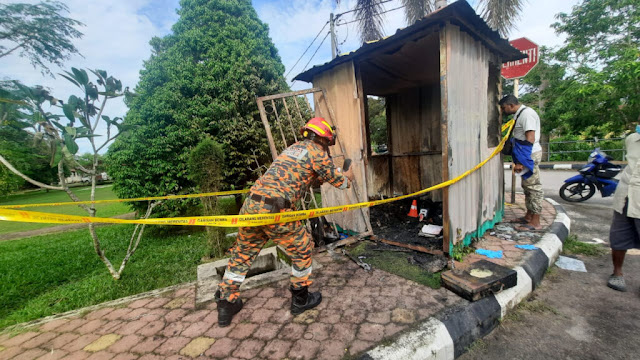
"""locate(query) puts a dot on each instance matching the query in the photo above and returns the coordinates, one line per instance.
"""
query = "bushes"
(206, 164)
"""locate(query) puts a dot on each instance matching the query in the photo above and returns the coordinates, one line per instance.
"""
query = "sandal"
(617, 283)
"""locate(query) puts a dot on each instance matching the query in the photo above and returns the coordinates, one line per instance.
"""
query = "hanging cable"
(314, 54)
(350, 11)
(384, 12)
(346, 36)
(305, 51)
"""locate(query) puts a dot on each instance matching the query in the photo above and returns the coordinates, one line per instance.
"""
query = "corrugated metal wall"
(475, 201)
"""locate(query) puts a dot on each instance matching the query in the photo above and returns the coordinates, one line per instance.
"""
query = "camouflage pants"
(533, 194)
(293, 237)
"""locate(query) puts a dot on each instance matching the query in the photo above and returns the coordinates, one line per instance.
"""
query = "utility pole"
(516, 86)
(332, 29)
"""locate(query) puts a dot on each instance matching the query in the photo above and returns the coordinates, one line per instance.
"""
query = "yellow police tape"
(232, 220)
(167, 197)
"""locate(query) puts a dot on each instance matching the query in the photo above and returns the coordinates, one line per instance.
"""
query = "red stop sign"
(520, 68)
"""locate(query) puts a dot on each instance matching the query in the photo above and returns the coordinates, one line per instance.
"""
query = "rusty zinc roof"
(459, 13)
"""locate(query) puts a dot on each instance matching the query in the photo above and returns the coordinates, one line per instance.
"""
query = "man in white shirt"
(625, 227)
(527, 128)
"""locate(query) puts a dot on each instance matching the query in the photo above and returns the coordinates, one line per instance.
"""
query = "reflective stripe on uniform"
(301, 273)
(233, 277)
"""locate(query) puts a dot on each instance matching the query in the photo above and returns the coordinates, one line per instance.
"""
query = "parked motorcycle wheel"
(577, 191)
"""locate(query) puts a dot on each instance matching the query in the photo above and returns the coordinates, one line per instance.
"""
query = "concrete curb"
(448, 336)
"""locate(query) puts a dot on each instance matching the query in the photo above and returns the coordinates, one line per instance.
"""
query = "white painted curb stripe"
(430, 341)
(564, 218)
(562, 167)
(508, 299)
(551, 201)
(551, 245)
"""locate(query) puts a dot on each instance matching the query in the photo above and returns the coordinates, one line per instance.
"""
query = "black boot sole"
(298, 311)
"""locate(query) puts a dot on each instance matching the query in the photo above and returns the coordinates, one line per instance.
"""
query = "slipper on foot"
(617, 283)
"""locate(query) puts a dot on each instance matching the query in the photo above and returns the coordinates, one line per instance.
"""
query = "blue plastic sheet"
(491, 254)
(526, 247)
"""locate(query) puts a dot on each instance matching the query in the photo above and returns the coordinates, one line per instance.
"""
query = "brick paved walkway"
(359, 310)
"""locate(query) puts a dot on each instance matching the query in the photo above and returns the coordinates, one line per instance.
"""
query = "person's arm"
(530, 136)
(327, 171)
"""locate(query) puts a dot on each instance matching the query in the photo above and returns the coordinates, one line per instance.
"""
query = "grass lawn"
(104, 192)
(49, 274)
(574, 246)
(396, 263)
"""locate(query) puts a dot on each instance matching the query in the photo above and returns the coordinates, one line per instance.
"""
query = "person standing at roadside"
(527, 131)
(625, 226)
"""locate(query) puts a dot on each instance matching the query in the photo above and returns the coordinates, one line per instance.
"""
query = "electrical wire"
(325, 37)
(314, 54)
(346, 36)
(384, 12)
(305, 51)
(350, 11)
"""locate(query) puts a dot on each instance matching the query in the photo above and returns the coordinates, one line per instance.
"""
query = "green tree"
(600, 94)
(377, 120)
(201, 80)
(28, 154)
(82, 115)
(38, 32)
(589, 87)
(26, 150)
(87, 159)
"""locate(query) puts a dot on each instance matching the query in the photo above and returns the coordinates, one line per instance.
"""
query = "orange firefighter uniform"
(286, 181)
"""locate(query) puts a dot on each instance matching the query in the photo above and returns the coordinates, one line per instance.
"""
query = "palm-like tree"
(499, 14)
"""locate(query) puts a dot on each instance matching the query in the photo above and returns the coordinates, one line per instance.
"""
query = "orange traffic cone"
(414, 209)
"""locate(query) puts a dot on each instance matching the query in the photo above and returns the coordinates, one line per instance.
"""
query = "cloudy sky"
(117, 33)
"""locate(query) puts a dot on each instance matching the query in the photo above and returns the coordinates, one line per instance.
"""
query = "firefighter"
(287, 180)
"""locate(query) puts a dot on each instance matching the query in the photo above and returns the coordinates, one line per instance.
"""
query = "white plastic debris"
(572, 264)
(432, 229)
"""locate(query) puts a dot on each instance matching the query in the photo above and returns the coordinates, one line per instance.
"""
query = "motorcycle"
(598, 173)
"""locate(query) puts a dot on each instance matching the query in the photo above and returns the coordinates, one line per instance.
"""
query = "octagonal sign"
(520, 68)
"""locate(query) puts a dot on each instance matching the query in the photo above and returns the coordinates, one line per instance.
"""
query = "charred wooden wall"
(477, 200)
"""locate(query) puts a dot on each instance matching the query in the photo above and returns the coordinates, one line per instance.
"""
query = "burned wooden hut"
(440, 79)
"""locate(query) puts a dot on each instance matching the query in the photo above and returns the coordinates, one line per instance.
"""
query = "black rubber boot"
(226, 309)
(302, 300)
